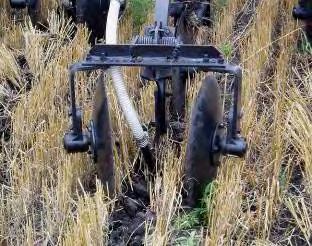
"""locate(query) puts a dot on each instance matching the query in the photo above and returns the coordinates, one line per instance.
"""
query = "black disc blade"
(103, 152)
(201, 161)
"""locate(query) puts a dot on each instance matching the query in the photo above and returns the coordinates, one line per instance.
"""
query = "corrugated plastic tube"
(125, 103)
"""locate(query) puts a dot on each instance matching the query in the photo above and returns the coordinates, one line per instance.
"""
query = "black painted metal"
(76, 140)
(179, 77)
(160, 35)
(202, 158)
(160, 108)
(102, 141)
(200, 58)
(158, 61)
(76, 143)
(154, 51)
(154, 56)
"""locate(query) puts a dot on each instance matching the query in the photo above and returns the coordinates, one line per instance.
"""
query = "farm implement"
(164, 58)
(167, 55)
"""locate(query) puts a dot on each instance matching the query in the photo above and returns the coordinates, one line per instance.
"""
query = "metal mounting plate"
(154, 55)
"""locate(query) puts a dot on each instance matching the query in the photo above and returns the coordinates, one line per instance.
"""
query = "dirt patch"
(127, 222)
(284, 226)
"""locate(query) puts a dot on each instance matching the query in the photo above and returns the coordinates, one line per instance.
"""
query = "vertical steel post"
(161, 12)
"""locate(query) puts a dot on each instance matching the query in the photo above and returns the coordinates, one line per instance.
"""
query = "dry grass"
(45, 198)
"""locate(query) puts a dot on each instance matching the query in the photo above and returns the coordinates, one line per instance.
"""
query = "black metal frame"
(200, 58)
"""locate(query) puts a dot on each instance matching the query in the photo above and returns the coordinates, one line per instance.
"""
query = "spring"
(144, 40)
(168, 41)
(150, 40)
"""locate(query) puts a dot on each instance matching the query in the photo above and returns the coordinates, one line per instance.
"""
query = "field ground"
(49, 197)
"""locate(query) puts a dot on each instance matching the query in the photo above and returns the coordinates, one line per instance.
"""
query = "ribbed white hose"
(125, 103)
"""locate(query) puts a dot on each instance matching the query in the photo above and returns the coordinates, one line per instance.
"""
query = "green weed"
(139, 10)
(227, 49)
(305, 46)
(189, 220)
(191, 240)
(197, 216)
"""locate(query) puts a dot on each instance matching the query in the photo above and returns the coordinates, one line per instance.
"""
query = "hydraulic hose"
(125, 103)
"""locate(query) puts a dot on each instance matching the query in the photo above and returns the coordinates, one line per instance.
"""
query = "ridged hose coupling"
(144, 141)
